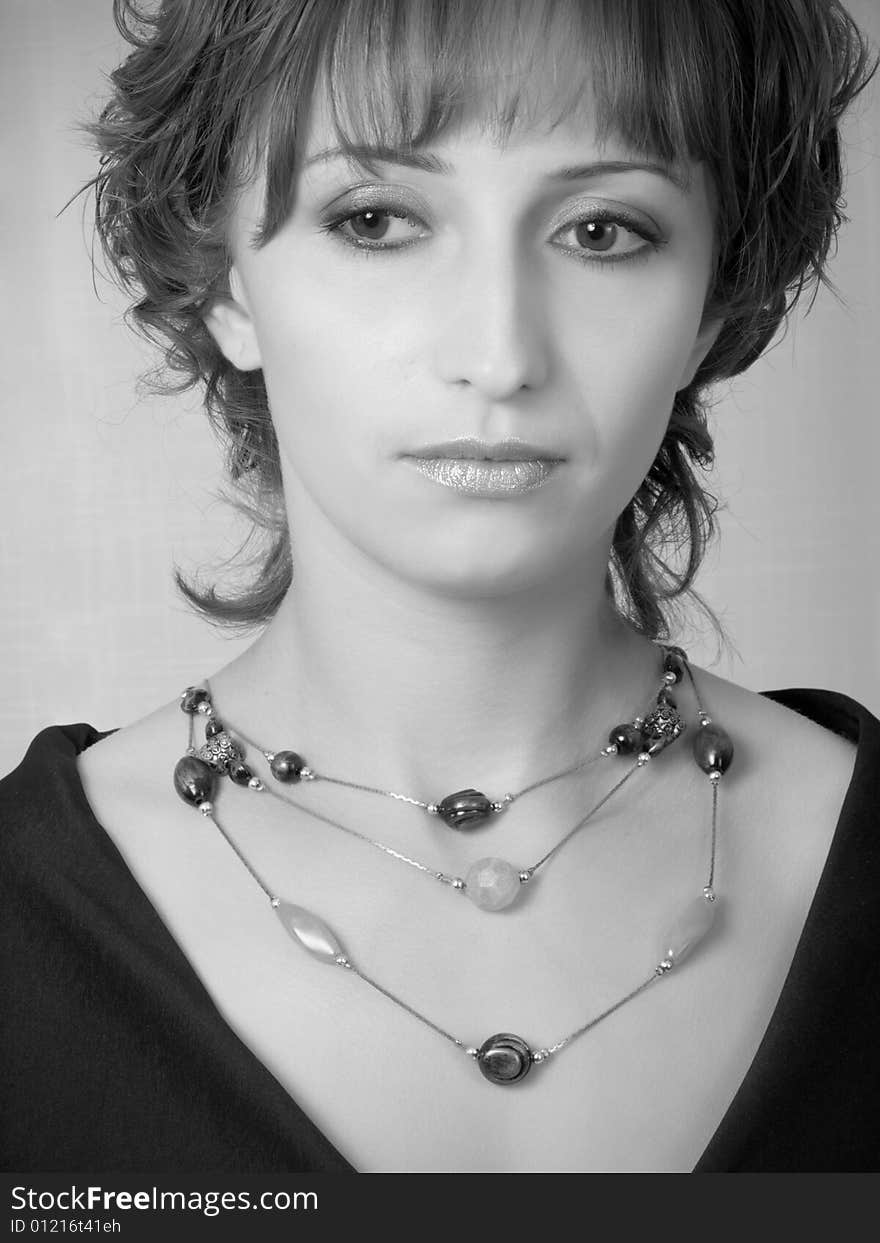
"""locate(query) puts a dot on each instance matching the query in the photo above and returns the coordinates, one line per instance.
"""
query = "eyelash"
(333, 227)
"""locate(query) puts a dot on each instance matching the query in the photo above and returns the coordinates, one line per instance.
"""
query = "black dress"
(116, 1059)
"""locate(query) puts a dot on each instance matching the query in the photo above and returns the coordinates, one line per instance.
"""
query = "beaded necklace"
(503, 1058)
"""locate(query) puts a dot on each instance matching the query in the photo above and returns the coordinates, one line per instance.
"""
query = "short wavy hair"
(754, 89)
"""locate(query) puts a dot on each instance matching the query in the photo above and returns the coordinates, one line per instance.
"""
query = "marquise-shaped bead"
(311, 933)
(692, 926)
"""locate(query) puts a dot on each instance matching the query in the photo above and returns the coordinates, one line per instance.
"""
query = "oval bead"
(192, 697)
(464, 809)
(194, 780)
(504, 1058)
(674, 661)
(626, 738)
(713, 749)
(492, 884)
(286, 766)
(309, 931)
(692, 926)
(240, 773)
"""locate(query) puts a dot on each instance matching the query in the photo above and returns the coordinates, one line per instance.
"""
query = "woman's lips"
(486, 478)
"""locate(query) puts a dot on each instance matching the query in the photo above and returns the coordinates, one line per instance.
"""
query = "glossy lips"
(509, 468)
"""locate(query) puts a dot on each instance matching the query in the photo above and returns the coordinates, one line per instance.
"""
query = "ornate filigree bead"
(662, 726)
(220, 751)
(465, 809)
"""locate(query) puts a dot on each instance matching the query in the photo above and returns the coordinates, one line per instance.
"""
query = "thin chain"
(602, 801)
(343, 961)
(336, 824)
(584, 762)
(443, 877)
(554, 1048)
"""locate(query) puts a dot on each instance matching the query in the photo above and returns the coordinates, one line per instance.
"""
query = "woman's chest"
(375, 1055)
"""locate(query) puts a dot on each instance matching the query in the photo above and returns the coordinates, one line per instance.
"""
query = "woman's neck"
(389, 683)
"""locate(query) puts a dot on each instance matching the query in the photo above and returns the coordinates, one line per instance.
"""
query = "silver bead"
(457, 883)
(270, 756)
(274, 903)
(638, 721)
(342, 961)
(472, 1052)
(663, 967)
(643, 759)
(669, 677)
(205, 708)
(705, 719)
(714, 776)
(540, 1055)
(498, 808)
(306, 774)
(206, 808)
(526, 875)
(432, 809)
(709, 893)
(255, 784)
(611, 749)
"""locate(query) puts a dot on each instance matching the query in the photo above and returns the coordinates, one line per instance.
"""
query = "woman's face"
(471, 358)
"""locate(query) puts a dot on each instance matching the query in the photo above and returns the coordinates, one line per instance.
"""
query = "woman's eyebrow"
(368, 156)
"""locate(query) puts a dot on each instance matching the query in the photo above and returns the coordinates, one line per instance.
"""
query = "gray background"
(103, 488)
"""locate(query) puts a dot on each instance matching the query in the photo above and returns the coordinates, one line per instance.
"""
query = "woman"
(456, 278)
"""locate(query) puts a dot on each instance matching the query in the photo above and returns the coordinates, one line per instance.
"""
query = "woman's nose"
(493, 334)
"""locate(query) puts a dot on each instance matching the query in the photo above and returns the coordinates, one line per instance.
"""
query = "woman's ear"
(706, 338)
(228, 319)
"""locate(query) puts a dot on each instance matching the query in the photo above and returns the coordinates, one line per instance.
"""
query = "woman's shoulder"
(801, 754)
(43, 791)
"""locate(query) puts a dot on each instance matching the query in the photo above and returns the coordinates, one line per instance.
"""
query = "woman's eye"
(378, 227)
(605, 238)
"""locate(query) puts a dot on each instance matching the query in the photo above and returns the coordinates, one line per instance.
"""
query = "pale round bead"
(206, 808)
(492, 884)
